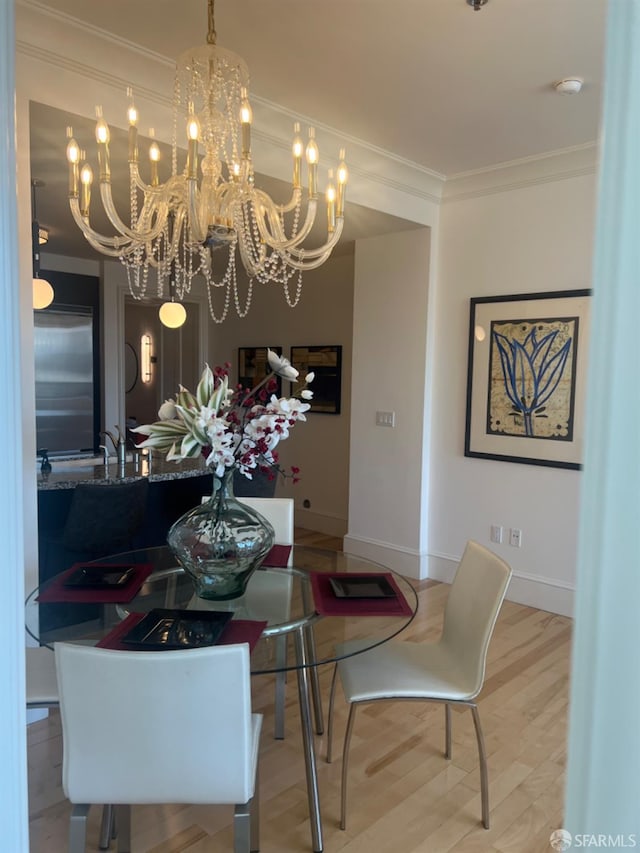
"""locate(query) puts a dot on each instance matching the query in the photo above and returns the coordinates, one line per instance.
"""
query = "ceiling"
(432, 81)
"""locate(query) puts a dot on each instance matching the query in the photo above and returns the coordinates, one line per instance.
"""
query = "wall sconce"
(145, 358)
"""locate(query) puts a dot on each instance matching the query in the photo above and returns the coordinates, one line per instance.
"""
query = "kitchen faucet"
(119, 446)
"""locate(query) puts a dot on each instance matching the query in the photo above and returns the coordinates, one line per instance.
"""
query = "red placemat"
(278, 557)
(57, 592)
(328, 604)
(235, 631)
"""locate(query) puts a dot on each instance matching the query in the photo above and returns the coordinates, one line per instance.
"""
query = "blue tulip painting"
(532, 378)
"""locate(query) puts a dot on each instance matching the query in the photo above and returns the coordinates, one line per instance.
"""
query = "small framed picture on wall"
(253, 366)
(325, 362)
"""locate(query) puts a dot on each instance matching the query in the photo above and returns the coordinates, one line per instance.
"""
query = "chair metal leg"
(78, 828)
(281, 679)
(255, 815)
(123, 818)
(311, 771)
(332, 696)
(345, 762)
(242, 828)
(484, 775)
(107, 827)
(315, 680)
(447, 730)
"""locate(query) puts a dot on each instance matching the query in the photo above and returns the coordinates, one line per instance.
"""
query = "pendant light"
(42, 290)
(172, 314)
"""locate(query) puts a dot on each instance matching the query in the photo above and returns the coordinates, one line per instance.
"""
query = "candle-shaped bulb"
(331, 203)
(343, 172)
(313, 154)
(154, 157)
(343, 177)
(246, 113)
(102, 128)
(73, 158)
(193, 131)
(132, 112)
(331, 190)
(86, 179)
(297, 149)
(86, 175)
(73, 151)
(193, 128)
(297, 146)
(246, 117)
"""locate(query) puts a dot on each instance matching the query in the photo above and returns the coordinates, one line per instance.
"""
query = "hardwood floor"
(404, 796)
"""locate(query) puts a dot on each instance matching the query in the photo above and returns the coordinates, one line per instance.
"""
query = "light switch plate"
(387, 419)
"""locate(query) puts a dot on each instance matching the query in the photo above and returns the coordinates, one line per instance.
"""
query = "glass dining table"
(302, 600)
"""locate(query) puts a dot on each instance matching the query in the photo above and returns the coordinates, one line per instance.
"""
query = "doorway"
(157, 359)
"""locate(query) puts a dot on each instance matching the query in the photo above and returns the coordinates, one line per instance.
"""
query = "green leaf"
(206, 385)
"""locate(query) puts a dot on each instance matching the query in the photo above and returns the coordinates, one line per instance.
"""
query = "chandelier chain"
(211, 33)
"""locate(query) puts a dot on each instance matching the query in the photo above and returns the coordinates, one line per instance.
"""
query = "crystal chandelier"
(209, 210)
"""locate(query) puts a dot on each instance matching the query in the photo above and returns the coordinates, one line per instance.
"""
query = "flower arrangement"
(232, 428)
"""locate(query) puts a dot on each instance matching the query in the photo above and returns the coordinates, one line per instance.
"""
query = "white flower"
(167, 411)
(291, 408)
(230, 428)
(309, 377)
(281, 366)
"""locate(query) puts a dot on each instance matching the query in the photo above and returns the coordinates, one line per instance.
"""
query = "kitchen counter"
(69, 473)
(174, 488)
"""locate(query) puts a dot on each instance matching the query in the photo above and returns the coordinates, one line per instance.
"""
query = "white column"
(13, 760)
(603, 788)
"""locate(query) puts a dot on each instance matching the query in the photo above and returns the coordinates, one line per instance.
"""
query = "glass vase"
(221, 542)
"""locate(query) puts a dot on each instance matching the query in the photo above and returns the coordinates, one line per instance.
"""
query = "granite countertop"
(67, 474)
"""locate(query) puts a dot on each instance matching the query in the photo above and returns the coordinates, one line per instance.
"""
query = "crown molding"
(559, 165)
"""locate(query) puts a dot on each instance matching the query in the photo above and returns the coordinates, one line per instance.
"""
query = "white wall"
(391, 300)
(536, 238)
(319, 447)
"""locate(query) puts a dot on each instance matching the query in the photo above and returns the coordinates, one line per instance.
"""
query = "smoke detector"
(568, 86)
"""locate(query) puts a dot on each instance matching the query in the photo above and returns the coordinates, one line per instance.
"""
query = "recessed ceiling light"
(568, 86)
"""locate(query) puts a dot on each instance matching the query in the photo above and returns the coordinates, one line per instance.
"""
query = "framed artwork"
(326, 363)
(253, 366)
(526, 378)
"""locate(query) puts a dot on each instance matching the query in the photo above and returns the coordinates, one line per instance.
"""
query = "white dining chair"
(158, 727)
(42, 692)
(450, 670)
(280, 512)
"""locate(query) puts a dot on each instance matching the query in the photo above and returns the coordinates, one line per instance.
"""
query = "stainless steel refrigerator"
(64, 372)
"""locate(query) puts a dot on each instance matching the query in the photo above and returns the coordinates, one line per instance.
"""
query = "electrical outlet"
(515, 537)
(497, 532)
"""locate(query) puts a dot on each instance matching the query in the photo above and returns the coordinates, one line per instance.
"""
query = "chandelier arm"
(113, 246)
(161, 211)
(292, 203)
(148, 189)
(273, 239)
(303, 254)
(303, 265)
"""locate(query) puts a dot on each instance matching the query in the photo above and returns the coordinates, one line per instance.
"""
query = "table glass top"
(283, 597)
